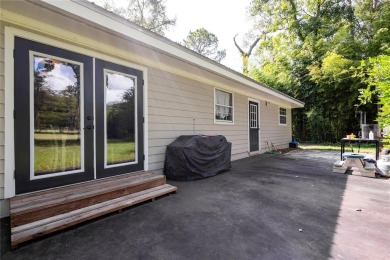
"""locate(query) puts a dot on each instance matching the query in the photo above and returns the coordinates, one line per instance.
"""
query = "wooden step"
(45, 204)
(45, 226)
(64, 191)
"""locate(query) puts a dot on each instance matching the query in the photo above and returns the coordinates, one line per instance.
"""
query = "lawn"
(120, 151)
(364, 148)
(56, 134)
(51, 156)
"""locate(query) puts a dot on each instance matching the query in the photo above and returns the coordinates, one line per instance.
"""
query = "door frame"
(25, 179)
(259, 118)
(95, 52)
(102, 170)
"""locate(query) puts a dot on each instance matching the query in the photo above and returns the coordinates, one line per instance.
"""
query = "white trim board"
(9, 136)
(222, 122)
(279, 107)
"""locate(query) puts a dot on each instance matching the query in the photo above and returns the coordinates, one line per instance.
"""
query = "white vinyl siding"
(181, 106)
(271, 130)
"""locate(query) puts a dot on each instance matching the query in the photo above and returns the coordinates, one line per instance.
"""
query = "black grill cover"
(192, 157)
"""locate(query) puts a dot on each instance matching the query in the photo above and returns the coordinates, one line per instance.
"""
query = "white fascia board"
(89, 12)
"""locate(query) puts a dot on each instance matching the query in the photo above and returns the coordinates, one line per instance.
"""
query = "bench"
(354, 162)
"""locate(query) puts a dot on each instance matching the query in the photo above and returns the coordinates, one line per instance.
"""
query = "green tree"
(245, 55)
(150, 14)
(373, 25)
(121, 117)
(307, 51)
(204, 43)
(376, 73)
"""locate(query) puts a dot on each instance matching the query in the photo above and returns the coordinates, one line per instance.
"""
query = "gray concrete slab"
(254, 211)
(331, 156)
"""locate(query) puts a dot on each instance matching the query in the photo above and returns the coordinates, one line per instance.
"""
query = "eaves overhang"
(85, 10)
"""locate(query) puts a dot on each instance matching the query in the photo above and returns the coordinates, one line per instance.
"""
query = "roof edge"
(102, 17)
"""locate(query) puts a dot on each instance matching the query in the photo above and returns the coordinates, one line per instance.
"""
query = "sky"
(60, 77)
(117, 86)
(224, 18)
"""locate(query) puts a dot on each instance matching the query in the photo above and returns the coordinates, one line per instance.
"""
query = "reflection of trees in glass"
(56, 116)
(56, 108)
(120, 117)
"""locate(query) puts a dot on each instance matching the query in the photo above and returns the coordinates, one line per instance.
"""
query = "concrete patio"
(267, 207)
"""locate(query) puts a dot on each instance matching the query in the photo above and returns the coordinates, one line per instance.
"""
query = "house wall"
(271, 131)
(181, 106)
(180, 94)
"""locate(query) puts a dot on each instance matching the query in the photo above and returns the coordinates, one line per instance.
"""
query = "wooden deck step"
(35, 229)
(39, 213)
(66, 192)
(45, 204)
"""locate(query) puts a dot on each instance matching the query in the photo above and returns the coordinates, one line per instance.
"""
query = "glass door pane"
(120, 118)
(57, 137)
(253, 126)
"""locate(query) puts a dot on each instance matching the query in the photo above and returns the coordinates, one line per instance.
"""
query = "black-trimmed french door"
(57, 131)
(119, 119)
(253, 126)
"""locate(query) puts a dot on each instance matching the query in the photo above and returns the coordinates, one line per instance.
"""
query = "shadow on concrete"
(253, 211)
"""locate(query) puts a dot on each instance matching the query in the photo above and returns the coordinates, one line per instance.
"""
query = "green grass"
(56, 136)
(364, 148)
(50, 158)
(120, 151)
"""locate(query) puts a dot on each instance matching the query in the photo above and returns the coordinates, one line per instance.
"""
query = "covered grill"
(192, 157)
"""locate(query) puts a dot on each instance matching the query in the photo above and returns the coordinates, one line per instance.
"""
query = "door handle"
(89, 127)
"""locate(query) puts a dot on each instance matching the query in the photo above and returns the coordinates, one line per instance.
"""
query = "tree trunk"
(245, 55)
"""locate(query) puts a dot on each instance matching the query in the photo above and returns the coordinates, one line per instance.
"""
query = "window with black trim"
(223, 106)
(282, 116)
